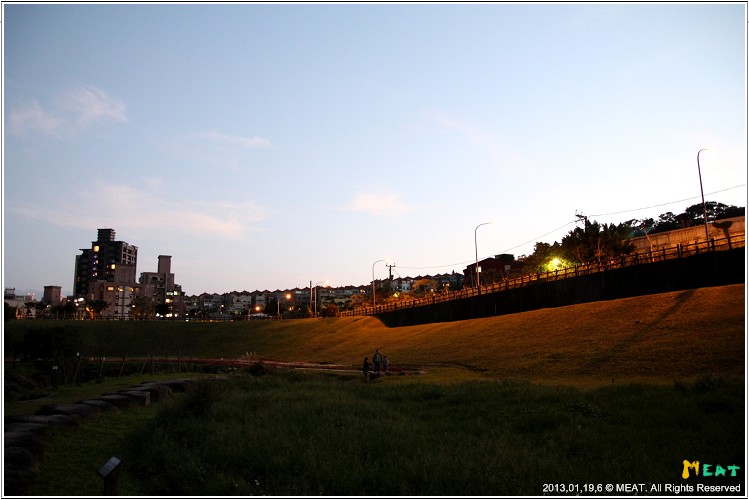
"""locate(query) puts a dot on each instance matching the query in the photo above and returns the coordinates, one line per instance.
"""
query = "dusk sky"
(267, 146)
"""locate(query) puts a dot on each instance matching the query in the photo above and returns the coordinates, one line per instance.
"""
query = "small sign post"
(110, 473)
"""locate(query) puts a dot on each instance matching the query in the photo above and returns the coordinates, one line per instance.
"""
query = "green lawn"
(306, 434)
(611, 392)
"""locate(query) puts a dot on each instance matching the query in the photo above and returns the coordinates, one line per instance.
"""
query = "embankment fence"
(679, 251)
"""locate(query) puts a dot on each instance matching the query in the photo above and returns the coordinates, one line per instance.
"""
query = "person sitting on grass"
(365, 368)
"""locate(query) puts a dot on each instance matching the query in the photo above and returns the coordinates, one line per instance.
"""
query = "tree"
(42, 309)
(10, 312)
(578, 243)
(143, 308)
(543, 253)
(597, 242)
(163, 309)
(694, 215)
(666, 222)
(64, 311)
(423, 286)
(28, 307)
(329, 311)
(98, 307)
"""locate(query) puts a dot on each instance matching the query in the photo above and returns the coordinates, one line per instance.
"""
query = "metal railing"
(679, 251)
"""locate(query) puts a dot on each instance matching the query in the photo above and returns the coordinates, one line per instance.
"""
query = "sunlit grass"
(656, 338)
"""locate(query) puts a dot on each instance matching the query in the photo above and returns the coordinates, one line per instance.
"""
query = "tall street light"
(326, 282)
(476, 247)
(373, 281)
(278, 304)
(704, 207)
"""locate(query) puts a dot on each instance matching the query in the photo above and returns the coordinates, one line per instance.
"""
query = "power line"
(436, 267)
(537, 238)
(513, 248)
(665, 204)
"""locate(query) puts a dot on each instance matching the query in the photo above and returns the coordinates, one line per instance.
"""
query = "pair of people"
(378, 360)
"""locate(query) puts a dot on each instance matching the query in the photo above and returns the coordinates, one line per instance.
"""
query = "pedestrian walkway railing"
(679, 251)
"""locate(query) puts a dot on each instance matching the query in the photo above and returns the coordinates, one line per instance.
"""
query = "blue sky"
(267, 146)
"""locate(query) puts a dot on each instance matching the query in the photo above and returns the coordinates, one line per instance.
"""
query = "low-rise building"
(166, 295)
(493, 269)
(24, 305)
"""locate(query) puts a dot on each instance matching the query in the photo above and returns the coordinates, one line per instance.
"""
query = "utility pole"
(390, 275)
(476, 248)
(704, 207)
(582, 217)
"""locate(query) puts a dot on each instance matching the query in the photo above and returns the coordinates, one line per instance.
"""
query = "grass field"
(656, 338)
(307, 434)
(609, 392)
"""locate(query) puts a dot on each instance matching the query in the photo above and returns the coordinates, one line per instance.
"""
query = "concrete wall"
(726, 228)
(703, 270)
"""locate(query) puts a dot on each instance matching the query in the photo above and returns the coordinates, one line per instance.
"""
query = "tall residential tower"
(107, 260)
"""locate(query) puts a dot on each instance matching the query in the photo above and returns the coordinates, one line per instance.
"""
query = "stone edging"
(24, 434)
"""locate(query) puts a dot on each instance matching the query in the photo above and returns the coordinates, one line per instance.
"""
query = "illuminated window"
(96, 248)
(110, 289)
(113, 266)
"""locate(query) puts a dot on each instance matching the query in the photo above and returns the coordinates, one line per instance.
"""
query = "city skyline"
(270, 146)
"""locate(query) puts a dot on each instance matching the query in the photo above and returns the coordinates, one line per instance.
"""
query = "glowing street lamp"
(476, 247)
(278, 304)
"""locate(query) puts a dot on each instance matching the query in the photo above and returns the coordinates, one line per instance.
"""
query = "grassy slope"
(656, 338)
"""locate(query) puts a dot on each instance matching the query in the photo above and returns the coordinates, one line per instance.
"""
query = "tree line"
(596, 242)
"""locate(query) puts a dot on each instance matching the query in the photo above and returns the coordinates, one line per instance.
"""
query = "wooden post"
(75, 377)
(122, 368)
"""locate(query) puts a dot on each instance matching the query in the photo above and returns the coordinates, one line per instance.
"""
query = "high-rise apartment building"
(107, 260)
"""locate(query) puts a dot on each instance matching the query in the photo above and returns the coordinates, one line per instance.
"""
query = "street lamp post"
(476, 247)
(704, 207)
(374, 303)
(319, 283)
(278, 304)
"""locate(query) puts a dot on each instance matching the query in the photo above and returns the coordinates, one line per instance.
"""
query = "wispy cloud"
(500, 155)
(34, 119)
(234, 140)
(71, 112)
(378, 202)
(210, 147)
(225, 219)
(473, 133)
(89, 104)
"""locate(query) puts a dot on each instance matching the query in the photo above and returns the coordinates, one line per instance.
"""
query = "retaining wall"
(702, 270)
